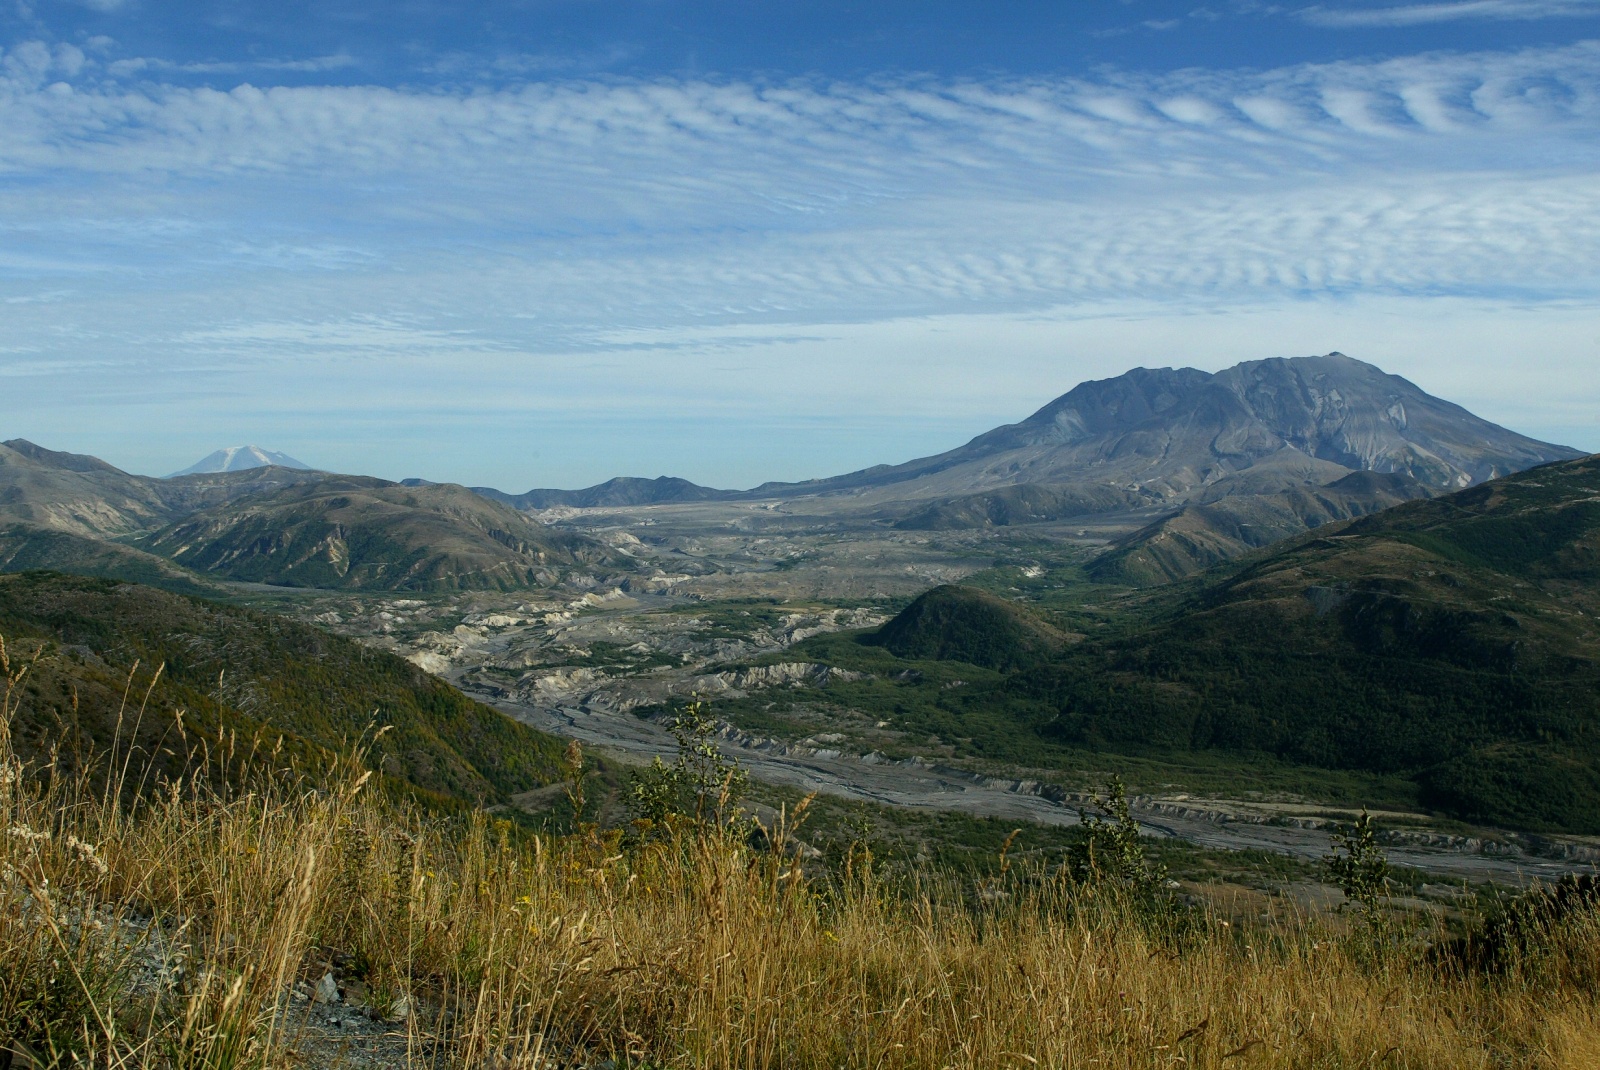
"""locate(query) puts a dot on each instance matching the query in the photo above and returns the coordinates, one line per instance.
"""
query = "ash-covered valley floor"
(717, 596)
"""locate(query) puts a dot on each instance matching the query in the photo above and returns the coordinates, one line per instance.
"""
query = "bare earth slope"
(266, 524)
(362, 532)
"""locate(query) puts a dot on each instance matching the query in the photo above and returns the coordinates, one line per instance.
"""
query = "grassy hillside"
(243, 673)
(195, 930)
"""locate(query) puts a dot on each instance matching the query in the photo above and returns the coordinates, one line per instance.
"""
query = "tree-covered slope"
(955, 623)
(247, 675)
(1452, 640)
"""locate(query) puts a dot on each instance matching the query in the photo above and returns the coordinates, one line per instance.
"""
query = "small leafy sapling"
(1112, 849)
(702, 784)
(1358, 866)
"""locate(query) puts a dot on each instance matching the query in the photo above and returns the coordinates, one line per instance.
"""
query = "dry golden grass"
(692, 951)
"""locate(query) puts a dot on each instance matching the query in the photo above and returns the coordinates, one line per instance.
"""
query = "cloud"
(314, 65)
(1423, 14)
(614, 246)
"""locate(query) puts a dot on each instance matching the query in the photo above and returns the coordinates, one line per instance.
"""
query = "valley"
(723, 614)
(1260, 597)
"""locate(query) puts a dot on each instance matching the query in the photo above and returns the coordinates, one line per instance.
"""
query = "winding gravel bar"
(926, 786)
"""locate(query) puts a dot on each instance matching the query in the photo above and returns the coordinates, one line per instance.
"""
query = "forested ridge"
(250, 676)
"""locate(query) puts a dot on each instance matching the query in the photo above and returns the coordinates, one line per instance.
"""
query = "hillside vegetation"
(243, 679)
(255, 922)
(1451, 642)
(954, 623)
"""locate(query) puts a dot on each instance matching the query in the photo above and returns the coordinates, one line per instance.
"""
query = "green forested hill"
(1454, 641)
(954, 623)
(250, 675)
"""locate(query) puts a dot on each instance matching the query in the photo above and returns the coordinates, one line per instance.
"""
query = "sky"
(531, 243)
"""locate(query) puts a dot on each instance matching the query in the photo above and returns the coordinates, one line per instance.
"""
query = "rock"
(327, 990)
(399, 1010)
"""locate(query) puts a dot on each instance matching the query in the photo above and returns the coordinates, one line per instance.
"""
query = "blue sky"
(544, 243)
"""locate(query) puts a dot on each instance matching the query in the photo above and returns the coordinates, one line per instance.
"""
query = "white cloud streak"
(1455, 10)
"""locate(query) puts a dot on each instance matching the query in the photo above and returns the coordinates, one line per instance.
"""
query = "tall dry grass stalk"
(171, 932)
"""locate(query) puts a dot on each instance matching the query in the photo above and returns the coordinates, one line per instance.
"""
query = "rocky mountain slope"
(84, 495)
(72, 492)
(361, 532)
(266, 524)
(1166, 433)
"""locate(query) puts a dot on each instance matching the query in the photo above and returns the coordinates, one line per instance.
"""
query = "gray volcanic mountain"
(1156, 438)
(1209, 465)
(239, 459)
(1166, 434)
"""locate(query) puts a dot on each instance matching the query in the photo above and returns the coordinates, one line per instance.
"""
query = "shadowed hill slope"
(24, 547)
(1226, 526)
(1453, 639)
(240, 674)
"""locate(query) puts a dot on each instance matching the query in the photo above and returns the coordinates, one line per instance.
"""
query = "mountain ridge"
(266, 524)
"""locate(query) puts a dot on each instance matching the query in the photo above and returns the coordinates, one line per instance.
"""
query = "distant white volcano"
(238, 458)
